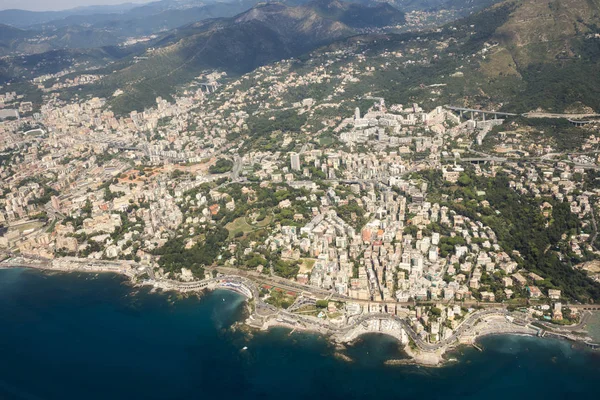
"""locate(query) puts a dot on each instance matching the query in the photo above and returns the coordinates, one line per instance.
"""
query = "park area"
(240, 226)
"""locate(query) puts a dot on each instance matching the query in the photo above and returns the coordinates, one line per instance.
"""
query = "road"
(264, 310)
(237, 167)
(556, 115)
(260, 279)
(307, 290)
(593, 238)
(526, 115)
(585, 316)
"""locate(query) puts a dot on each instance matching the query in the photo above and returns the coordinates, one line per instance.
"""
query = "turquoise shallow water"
(81, 337)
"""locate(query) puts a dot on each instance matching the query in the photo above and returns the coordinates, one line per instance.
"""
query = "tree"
(174, 255)
(286, 269)
(322, 303)
(221, 166)
(87, 208)
(464, 180)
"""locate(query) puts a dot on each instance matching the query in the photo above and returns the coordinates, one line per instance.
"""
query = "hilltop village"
(337, 209)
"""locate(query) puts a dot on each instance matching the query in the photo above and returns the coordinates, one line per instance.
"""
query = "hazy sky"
(45, 5)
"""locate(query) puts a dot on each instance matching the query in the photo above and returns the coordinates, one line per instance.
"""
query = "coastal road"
(259, 279)
(263, 310)
(295, 287)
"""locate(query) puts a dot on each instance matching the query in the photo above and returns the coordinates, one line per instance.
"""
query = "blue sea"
(75, 337)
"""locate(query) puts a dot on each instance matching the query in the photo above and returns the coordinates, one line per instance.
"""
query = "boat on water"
(245, 348)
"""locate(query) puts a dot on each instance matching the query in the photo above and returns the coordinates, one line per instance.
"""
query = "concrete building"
(295, 161)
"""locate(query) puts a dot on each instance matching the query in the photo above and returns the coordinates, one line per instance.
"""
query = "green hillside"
(261, 35)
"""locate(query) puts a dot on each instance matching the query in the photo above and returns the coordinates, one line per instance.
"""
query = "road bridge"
(483, 113)
(479, 160)
(209, 85)
(586, 307)
(578, 122)
(575, 119)
(559, 115)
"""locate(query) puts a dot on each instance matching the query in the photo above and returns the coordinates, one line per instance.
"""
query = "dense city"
(335, 212)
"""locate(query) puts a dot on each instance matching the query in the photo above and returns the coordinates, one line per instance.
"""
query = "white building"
(295, 161)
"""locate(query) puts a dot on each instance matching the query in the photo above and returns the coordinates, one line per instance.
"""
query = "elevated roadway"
(483, 113)
(576, 119)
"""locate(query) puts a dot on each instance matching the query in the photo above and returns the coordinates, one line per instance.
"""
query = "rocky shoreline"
(269, 317)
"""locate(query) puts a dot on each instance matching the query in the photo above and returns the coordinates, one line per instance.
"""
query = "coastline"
(206, 346)
(262, 317)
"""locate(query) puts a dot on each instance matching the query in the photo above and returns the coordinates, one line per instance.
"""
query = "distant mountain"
(24, 18)
(9, 33)
(14, 41)
(91, 15)
(358, 15)
(27, 67)
(68, 30)
(261, 35)
(10, 37)
(132, 24)
(532, 54)
(553, 47)
(437, 5)
(151, 18)
(130, 19)
(541, 30)
(278, 30)
(516, 56)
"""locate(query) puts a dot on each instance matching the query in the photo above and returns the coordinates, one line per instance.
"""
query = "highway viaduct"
(575, 119)
(483, 113)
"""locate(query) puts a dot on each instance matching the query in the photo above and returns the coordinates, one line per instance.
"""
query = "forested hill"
(264, 34)
(536, 241)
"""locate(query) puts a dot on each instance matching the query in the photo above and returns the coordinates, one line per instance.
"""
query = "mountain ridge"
(266, 33)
